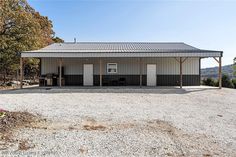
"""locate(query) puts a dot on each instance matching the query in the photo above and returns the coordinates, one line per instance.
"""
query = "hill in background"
(213, 72)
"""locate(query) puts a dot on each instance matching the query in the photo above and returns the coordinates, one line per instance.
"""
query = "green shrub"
(234, 82)
(217, 83)
(226, 82)
(209, 82)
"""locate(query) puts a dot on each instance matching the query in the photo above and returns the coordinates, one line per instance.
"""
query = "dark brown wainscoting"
(133, 80)
(73, 80)
(173, 80)
(117, 80)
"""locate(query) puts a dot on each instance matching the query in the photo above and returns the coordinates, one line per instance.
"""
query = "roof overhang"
(72, 54)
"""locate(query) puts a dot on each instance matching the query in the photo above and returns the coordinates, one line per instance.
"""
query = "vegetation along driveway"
(123, 122)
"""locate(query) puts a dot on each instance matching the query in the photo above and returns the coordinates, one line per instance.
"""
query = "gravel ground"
(124, 122)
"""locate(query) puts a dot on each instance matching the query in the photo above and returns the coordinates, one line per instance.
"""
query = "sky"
(205, 24)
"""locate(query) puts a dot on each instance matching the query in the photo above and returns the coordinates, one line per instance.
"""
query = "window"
(111, 68)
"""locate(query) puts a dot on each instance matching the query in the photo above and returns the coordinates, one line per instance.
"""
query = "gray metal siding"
(49, 65)
(126, 66)
(169, 66)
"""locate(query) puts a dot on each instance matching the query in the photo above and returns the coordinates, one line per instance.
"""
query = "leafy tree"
(21, 29)
(31, 68)
(57, 40)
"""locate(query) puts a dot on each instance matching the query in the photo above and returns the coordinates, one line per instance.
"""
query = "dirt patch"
(12, 121)
(25, 145)
(187, 144)
(181, 143)
(124, 126)
(91, 124)
(83, 150)
(163, 126)
(87, 124)
(70, 128)
(54, 126)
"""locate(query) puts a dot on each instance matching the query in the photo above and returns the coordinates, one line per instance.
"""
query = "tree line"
(226, 81)
(22, 29)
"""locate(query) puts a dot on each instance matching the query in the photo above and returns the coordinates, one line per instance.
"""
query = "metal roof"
(114, 47)
(98, 48)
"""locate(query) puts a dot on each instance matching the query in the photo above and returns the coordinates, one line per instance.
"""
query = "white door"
(151, 74)
(88, 75)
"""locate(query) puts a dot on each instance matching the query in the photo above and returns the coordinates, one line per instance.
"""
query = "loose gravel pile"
(14, 120)
(124, 122)
(11, 122)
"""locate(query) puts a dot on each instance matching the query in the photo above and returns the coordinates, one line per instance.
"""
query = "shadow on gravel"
(128, 89)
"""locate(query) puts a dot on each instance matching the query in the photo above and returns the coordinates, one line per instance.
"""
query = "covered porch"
(182, 71)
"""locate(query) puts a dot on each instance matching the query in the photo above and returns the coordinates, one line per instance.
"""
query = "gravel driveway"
(123, 122)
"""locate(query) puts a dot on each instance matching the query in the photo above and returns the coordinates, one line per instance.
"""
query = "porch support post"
(60, 65)
(100, 71)
(21, 72)
(140, 72)
(220, 70)
(181, 72)
(220, 73)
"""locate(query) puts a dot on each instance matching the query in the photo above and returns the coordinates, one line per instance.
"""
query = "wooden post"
(140, 72)
(181, 72)
(60, 65)
(100, 71)
(220, 73)
(21, 72)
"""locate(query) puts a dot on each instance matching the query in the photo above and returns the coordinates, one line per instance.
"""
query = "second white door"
(151, 74)
(88, 75)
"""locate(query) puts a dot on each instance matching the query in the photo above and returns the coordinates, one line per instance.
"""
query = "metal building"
(121, 64)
